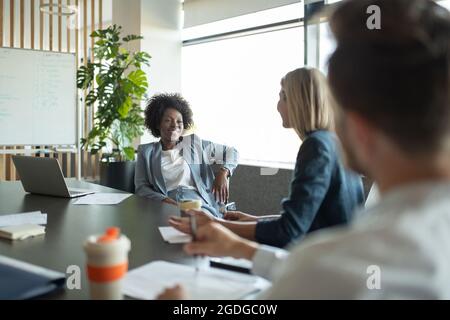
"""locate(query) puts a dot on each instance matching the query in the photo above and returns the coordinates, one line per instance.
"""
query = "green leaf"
(125, 107)
(123, 51)
(96, 33)
(100, 43)
(132, 37)
(91, 98)
(93, 133)
(85, 75)
(99, 80)
(139, 78)
(142, 57)
(129, 153)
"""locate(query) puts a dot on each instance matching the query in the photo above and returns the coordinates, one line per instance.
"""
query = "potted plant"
(116, 85)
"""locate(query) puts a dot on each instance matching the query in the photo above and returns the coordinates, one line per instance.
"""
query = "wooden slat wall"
(50, 28)
(68, 156)
(10, 174)
(86, 162)
(41, 28)
(2, 157)
(32, 8)
(22, 23)
(1, 23)
(11, 23)
(93, 158)
(100, 14)
(59, 26)
(51, 31)
(77, 45)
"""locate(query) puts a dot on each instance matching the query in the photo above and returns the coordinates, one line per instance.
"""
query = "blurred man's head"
(392, 84)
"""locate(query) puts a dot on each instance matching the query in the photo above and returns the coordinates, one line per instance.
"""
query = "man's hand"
(175, 293)
(214, 239)
(239, 216)
(184, 224)
(220, 186)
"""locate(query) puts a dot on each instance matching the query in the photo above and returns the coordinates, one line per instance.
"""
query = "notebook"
(20, 280)
(21, 232)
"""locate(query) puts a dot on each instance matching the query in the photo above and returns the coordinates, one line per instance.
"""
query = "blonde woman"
(322, 192)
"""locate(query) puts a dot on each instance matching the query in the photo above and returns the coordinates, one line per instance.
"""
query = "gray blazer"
(199, 154)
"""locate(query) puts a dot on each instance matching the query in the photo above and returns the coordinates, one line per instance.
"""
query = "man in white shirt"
(393, 86)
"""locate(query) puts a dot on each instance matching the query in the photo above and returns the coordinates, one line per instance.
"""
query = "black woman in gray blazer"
(177, 167)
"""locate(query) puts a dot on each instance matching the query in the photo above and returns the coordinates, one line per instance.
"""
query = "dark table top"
(69, 225)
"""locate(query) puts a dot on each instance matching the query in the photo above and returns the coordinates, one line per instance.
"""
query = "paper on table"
(148, 281)
(172, 235)
(102, 198)
(35, 217)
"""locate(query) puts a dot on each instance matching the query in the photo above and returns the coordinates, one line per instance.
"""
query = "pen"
(193, 222)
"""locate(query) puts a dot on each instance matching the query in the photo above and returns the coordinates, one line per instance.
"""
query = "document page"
(102, 198)
(148, 281)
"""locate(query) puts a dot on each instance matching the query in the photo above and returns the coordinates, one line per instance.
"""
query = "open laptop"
(44, 176)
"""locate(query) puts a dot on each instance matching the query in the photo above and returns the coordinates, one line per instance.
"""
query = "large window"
(233, 87)
(327, 43)
(327, 46)
(232, 80)
(445, 3)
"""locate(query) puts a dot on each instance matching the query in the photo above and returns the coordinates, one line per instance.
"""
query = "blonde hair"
(309, 101)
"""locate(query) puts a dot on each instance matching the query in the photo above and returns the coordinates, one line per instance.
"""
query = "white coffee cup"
(186, 205)
(107, 264)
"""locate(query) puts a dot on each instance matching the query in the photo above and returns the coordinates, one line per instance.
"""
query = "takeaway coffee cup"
(107, 264)
(185, 205)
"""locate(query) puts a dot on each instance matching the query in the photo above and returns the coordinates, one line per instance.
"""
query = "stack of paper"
(148, 281)
(23, 225)
(35, 217)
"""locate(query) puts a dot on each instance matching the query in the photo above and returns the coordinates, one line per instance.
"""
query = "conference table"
(69, 225)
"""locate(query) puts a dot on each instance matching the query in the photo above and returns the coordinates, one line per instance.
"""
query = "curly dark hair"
(159, 103)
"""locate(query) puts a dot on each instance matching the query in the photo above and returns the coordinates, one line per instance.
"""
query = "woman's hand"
(220, 186)
(176, 293)
(170, 201)
(214, 239)
(239, 216)
(184, 224)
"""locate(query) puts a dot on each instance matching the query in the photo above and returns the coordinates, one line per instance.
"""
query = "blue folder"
(20, 280)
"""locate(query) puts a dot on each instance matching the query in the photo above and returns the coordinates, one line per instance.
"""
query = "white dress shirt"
(175, 170)
(397, 249)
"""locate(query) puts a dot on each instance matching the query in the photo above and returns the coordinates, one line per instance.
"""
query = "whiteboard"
(38, 98)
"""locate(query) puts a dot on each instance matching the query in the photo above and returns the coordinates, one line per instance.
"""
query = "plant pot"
(118, 175)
